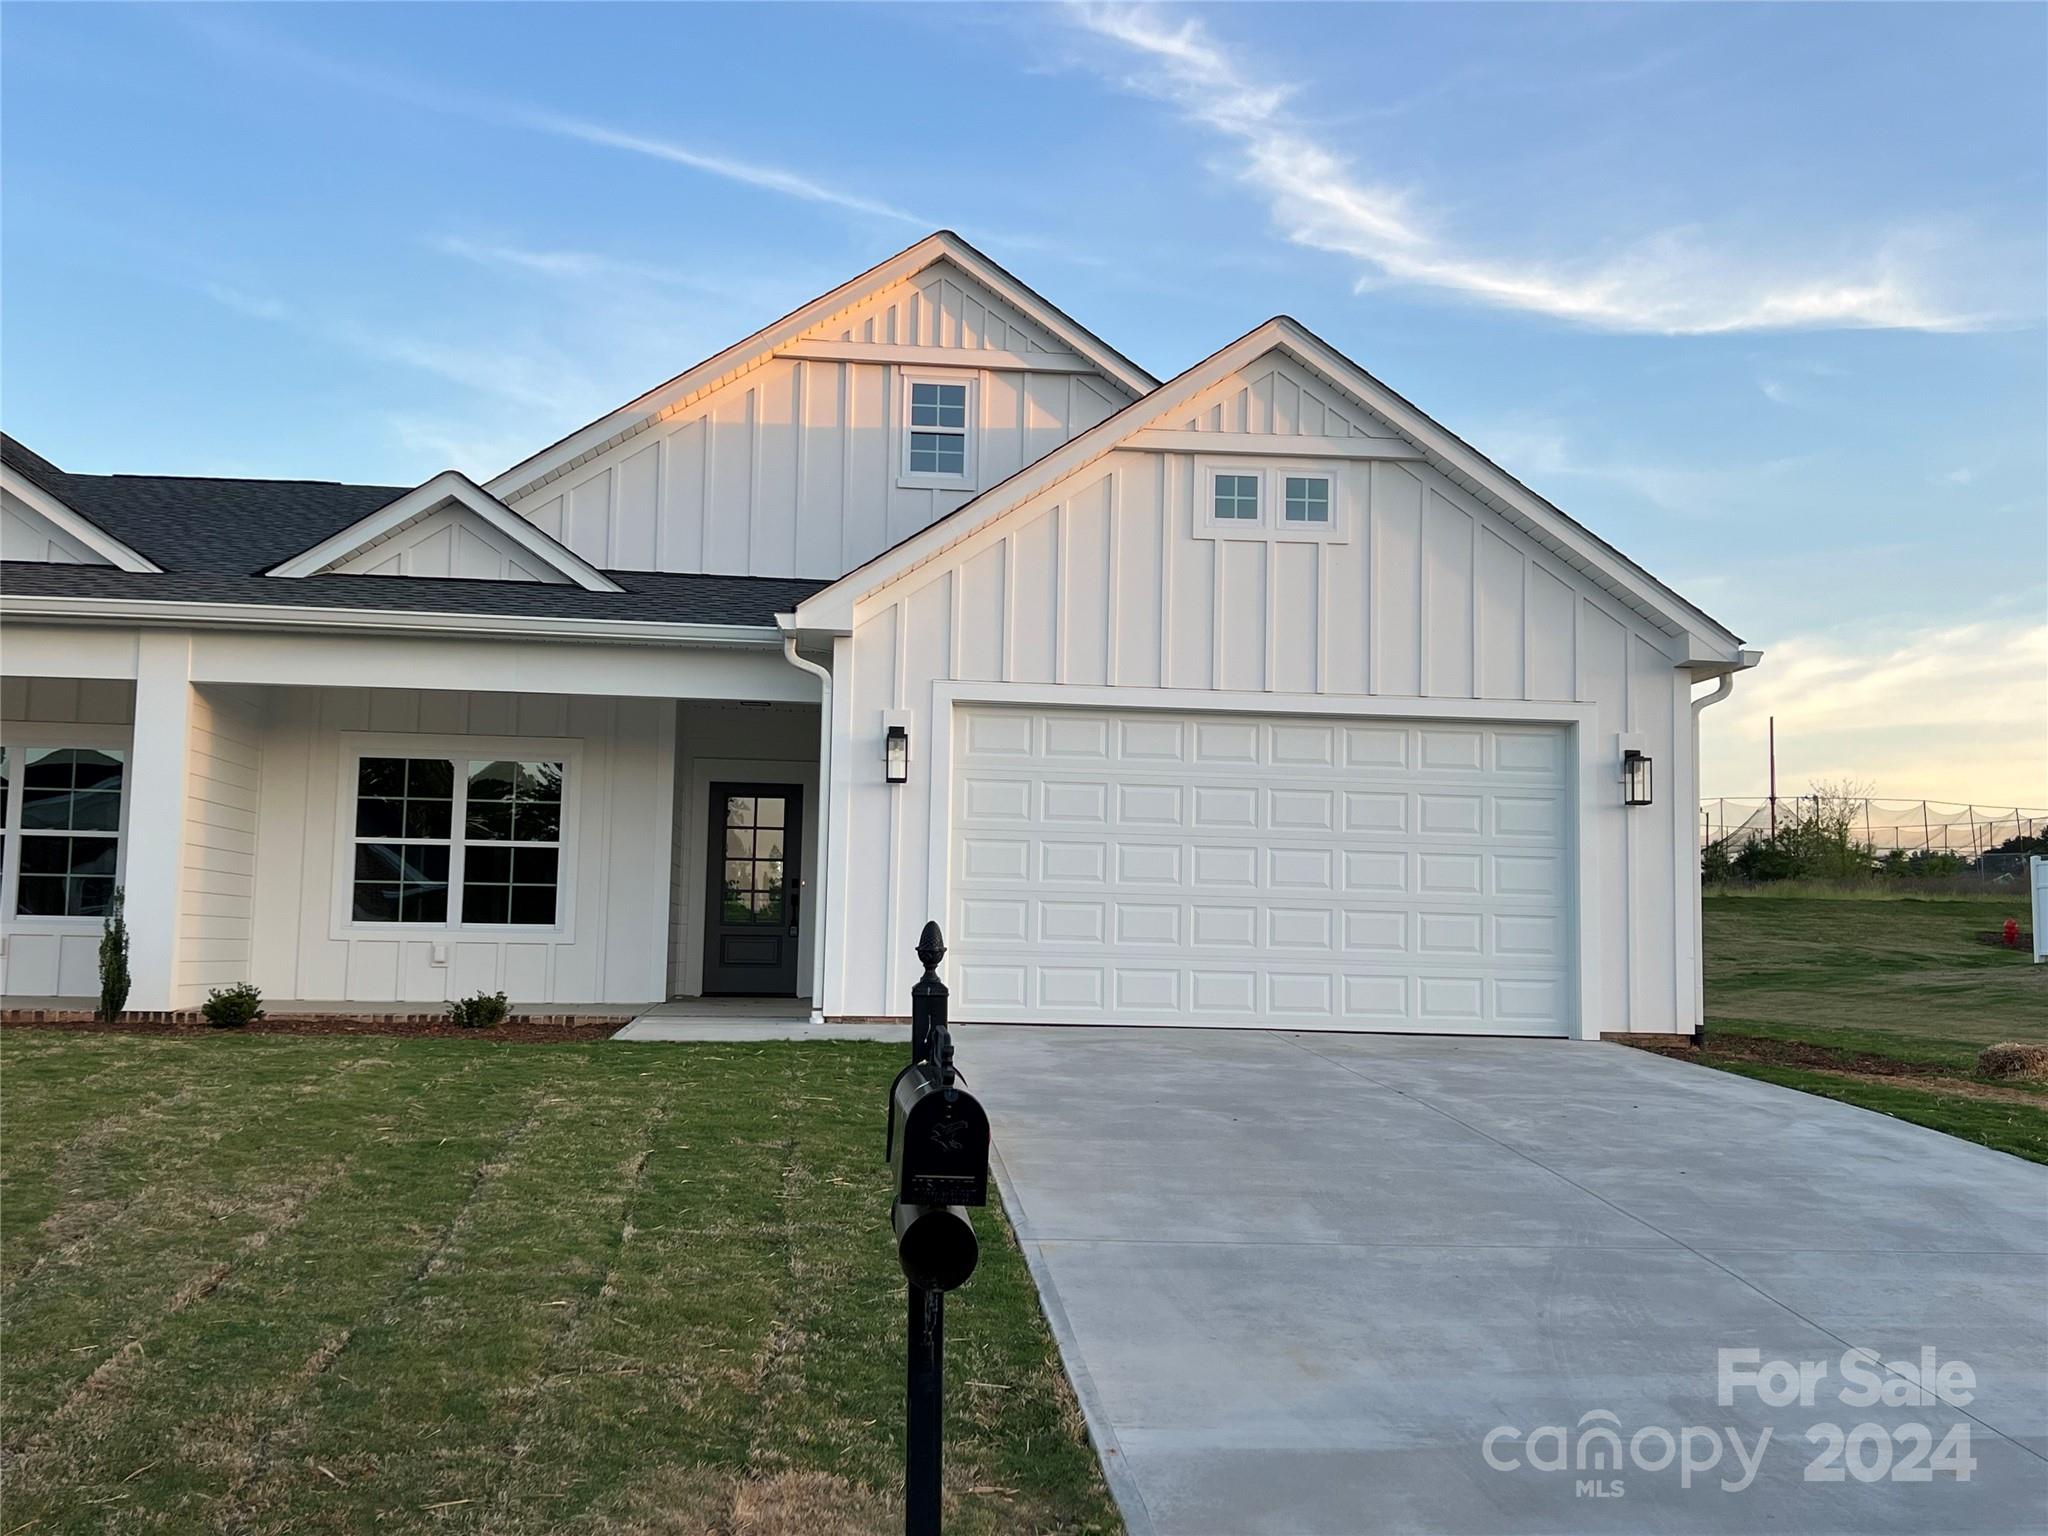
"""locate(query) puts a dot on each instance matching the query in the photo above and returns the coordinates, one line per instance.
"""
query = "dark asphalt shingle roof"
(215, 537)
(650, 596)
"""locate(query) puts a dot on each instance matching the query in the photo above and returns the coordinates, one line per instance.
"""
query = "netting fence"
(1971, 832)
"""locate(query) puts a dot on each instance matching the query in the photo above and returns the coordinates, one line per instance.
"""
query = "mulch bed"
(520, 1029)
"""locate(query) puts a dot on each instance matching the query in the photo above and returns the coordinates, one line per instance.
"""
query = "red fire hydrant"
(2012, 934)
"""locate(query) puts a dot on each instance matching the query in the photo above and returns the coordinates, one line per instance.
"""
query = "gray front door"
(750, 926)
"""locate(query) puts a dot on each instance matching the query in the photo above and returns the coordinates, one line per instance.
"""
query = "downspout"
(819, 900)
(1723, 686)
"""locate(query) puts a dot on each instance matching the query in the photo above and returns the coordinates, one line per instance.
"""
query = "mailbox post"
(937, 1151)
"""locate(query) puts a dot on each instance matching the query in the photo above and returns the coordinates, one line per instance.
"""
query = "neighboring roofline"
(941, 244)
(44, 503)
(448, 486)
(831, 607)
(161, 612)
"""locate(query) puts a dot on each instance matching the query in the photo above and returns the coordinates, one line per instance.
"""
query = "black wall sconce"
(1635, 777)
(896, 754)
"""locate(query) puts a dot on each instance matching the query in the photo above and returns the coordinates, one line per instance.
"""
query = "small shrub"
(114, 977)
(484, 1010)
(233, 1007)
(2027, 1062)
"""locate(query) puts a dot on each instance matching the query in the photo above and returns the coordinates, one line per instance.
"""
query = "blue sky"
(1756, 292)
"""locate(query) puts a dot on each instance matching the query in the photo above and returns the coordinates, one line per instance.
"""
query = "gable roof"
(943, 245)
(449, 487)
(205, 523)
(42, 487)
(831, 608)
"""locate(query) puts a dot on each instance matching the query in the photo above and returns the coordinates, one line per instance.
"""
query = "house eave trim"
(80, 527)
(155, 612)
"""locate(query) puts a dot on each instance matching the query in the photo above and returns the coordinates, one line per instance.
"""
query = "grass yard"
(1882, 1002)
(276, 1284)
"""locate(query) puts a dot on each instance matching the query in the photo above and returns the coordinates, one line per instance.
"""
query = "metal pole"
(1926, 832)
(1774, 775)
(924, 1407)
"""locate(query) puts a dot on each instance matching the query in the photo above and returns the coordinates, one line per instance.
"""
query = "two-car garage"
(1311, 871)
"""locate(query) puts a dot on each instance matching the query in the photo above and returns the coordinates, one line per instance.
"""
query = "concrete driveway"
(1299, 1280)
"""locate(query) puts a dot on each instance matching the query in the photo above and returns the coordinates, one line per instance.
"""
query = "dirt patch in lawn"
(1858, 1066)
(528, 1029)
(1952, 1087)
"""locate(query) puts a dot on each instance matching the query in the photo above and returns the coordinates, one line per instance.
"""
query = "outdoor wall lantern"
(1635, 777)
(896, 754)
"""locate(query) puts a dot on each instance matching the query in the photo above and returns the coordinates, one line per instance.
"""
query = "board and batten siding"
(451, 543)
(45, 957)
(1107, 579)
(616, 946)
(791, 467)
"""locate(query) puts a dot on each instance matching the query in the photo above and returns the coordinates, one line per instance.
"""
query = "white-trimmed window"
(1305, 498)
(1234, 498)
(464, 841)
(60, 806)
(1242, 498)
(938, 412)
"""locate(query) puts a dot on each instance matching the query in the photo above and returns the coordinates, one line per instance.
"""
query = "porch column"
(153, 876)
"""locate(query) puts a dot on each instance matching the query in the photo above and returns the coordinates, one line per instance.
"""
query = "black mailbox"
(938, 1140)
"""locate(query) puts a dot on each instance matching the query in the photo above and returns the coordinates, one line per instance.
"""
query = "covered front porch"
(352, 821)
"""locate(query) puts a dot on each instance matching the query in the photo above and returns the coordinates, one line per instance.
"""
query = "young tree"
(114, 961)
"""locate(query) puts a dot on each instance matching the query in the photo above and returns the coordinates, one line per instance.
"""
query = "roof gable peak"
(831, 609)
(531, 550)
(941, 245)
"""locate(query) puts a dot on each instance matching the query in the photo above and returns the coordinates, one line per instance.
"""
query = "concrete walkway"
(747, 1018)
(1299, 1279)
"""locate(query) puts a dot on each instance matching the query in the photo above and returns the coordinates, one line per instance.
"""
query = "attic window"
(1308, 498)
(935, 445)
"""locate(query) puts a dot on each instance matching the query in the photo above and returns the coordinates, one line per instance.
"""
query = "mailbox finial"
(931, 947)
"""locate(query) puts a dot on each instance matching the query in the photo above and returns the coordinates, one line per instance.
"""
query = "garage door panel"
(1068, 737)
(1247, 870)
(1224, 866)
(1148, 923)
(1299, 746)
(1150, 805)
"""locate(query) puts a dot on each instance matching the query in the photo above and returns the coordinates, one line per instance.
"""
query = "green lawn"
(1808, 990)
(364, 1284)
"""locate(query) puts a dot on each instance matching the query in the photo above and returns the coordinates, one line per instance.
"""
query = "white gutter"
(820, 901)
(154, 611)
(1723, 686)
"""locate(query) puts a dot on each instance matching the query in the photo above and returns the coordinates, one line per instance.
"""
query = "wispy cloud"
(1543, 453)
(1908, 713)
(768, 178)
(536, 378)
(229, 33)
(1670, 284)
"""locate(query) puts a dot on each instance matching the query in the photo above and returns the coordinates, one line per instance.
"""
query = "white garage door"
(1149, 868)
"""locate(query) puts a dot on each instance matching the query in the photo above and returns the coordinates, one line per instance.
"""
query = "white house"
(1252, 697)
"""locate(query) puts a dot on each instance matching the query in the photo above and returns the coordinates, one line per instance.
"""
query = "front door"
(750, 928)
